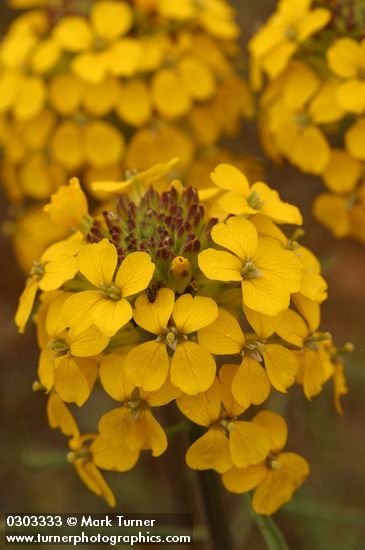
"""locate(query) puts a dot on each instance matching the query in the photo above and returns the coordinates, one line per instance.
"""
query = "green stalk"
(270, 532)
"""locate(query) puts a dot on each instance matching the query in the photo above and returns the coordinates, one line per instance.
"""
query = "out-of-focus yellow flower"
(278, 40)
(274, 480)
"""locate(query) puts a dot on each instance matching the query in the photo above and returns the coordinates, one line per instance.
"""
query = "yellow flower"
(268, 274)
(343, 172)
(278, 40)
(132, 424)
(354, 139)
(228, 441)
(99, 45)
(274, 480)
(251, 382)
(106, 305)
(259, 198)
(68, 206)
(192, 367)
(57, 265)
(346, 58)
(67, 363)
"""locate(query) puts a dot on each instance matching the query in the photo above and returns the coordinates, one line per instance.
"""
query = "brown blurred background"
(328, 511)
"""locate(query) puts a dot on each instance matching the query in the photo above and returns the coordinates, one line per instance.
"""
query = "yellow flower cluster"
(162, 303)
(312, 104)
(95, 89)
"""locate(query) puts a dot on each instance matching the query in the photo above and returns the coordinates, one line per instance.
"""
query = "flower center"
(291, 33)
(58, 347)
(249, 270)
(302, 119)
(254, 200)
(273, 463)
(37, 270)
(111, 291)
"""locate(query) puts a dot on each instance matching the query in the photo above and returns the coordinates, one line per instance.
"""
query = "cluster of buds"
(312, 103)
(96, 88)
(158, 302)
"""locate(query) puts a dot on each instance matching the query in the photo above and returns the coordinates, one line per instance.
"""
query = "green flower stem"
(270, 532)
(215, 510)
(178, 428)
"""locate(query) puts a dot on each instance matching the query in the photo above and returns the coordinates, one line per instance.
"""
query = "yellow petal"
(210, 452)
(94, 481)
(77, 309)
(147, 365)
(124, 57)
(111, 315)
(241, 480)
(66, 145)
(227, 374)
(351, 96)
(134, 103)
(276, 427)
(111, 19)
(230, 178)
(309, 309)
(197, 78)
(169, 95)
(88, 343)
(154, 316)
(251, 384)
(135, 273)
(103, 144)
(46, 370)
(274, 207)
(114, 379)
(65, 93)
(281, 366)
(311, 151)
(57, 272)
(354, 139)
(263, 325)
(238, 235)
(344, 57)
(292, 328)
(203, 408)
(97, 262)
(73, 34)
(91, 67)
(191, 314)
(249, 443)
(313, 21)
(155, 437)
(25, 306)
(333, 212)
(60, 417)
(223, 336)
(325, 107)
(112, 456)
(164, 395)
(45, 56)
(70, 383)
(99, 99)
(192, 368)
(219, 265)
(31, 98)
(343, 172)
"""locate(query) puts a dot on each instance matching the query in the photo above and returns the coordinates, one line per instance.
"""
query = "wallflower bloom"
(259, 198)
(267, 273)
(192, 367)
(274, 480)
(228, 441)
(279, 39)
(106, 306)
(56, 266)
(263, 363)
(133, 422)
